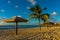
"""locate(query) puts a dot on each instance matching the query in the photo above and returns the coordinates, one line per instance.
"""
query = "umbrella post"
(16, 27)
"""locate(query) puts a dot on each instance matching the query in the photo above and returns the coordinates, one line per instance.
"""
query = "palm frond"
(45, 17)
(44, 8)
(46, 14)
(33, 15)
(32, 9)
(38, 8)
(29, 18)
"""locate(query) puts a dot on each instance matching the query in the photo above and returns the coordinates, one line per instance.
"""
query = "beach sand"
(43, 33)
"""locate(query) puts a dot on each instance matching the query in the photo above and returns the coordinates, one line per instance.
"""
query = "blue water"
(19, 26)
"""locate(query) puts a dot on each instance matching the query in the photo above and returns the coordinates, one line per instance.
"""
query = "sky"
(11, 8)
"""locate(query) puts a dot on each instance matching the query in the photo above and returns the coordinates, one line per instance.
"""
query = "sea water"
(19, 26)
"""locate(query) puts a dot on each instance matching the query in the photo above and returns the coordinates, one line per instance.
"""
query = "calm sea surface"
(19, 26)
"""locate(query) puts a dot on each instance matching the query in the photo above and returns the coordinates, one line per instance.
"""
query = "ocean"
(19, 26)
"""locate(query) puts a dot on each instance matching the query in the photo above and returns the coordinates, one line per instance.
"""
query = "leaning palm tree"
(37, 10)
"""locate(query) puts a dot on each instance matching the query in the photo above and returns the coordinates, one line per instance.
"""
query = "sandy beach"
(42, 33)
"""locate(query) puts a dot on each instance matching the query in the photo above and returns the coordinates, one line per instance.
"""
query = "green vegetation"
(45, 17)
(37, 13)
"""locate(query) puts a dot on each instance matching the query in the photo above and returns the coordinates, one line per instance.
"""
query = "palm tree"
(37, 11)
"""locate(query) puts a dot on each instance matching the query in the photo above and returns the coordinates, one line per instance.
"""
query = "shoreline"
(39, 28)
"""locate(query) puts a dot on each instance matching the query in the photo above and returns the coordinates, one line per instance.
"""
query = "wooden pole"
(16, 27)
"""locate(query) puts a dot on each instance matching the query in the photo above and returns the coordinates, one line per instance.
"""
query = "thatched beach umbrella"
(16, 19)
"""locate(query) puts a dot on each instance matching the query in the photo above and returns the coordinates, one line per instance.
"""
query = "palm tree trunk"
(39, 23)
(44, 21)
(16, 27)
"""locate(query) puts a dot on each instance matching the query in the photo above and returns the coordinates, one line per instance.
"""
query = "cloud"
(16, 6)
(2, 10)
(54, 13)
(9, 1)
(33, 2)
(27, 7)
(2, 18)
(17, 16)
(1, 22)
